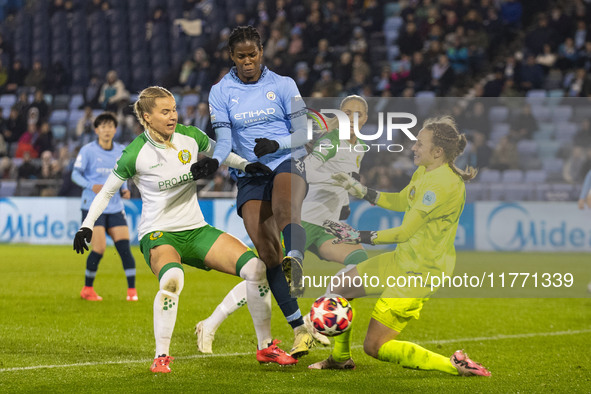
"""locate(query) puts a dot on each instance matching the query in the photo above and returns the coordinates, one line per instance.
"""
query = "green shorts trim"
(315, 237)
(191, 245)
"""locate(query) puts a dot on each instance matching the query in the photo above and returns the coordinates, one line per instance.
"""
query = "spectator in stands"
(442, 76)
(36, 78)
(573, 169)
(303, 80)
(44, 138)
(41, 105)
(68, 187)
(85, 127)
(328, 86)
(505, 155)
(546, 59)
(511, 12)
(6, 168)
(14, 128)
(524, 125)
(358, 43)
(494, 86)
(532, 75)
(581, 35)
(560, 23)
(409, 40)
(419, 73)
(296, 42)
(382, 82)
(276, 44)
(6, 50)
(59, 83)
(113, 95)
(200, 77)
(585, 57)
(542, 34)
(92, 93)
(479, 153)
(202, 119)
(509, 91)
(476, 118)
(28, 169)
(3, 77)
(50, 170)
(3, 146)
(343, 69)
(580, 85)
(567, 55)
(16, 77)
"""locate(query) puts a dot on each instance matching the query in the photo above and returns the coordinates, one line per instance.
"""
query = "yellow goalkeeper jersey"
(433, 202)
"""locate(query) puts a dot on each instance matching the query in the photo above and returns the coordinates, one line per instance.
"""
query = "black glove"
(82, 237)
(204, 168)
(265, 146)
(257, 168)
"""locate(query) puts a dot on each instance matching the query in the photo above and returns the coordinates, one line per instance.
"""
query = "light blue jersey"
(92, 167)
(258, 110)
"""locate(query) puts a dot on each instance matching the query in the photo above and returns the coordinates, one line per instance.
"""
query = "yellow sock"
(342, 343)
(411, 355)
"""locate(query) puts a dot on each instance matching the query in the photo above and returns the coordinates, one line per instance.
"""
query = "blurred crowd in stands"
(64, 61)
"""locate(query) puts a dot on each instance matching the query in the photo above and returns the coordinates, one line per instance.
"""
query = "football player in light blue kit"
(252, 114)
(92, 168)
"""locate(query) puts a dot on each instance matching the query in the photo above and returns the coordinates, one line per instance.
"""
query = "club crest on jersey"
(155, 235)
(412, 192)
(271, 95)
(429, 198)
(185, 156)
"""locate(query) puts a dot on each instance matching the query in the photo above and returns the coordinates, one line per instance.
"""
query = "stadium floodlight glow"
(345, 124)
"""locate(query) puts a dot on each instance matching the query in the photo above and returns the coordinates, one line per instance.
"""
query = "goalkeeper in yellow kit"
(433, 202)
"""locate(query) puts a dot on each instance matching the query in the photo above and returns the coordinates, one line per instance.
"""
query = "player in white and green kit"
(172, 230)
(324, 201)
(433, 202)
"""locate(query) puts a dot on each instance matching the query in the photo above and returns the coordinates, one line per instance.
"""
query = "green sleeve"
(326, 147)
(125, 166)
(193, 132)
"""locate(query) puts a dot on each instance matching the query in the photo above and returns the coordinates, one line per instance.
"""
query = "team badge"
(155, 235)
(185, 156)
(429, 198)
(412, 192)
(271, 95)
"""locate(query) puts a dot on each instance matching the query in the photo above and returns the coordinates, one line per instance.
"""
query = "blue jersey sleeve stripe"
(218, 125)
(297, 114)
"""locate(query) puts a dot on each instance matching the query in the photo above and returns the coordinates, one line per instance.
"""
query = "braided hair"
(145, 103)
(447, 137)
(243, 34)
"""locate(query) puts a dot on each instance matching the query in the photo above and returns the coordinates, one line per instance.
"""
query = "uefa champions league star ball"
(331, 315)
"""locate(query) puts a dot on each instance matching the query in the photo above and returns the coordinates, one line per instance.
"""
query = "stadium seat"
(476, 192)
(527, 148)
(562, 113)
(498, 114)
(512, 176)
(61, 101)
(496, 191)
(59, 132)
(535, 176)
(541, 113)
(74, 117)
(489, 176)
(553, 168)
(582, 112)
(7, 101)
(545, 133)
(563, 192)
(548, 149)
(499, 131)
(536, 96)
(566, 131)
(58, 116)
(517, 192)
(75, 102)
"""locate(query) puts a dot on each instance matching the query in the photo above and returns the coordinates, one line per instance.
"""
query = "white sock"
(165, 308)
(235, 299)
(258, 296)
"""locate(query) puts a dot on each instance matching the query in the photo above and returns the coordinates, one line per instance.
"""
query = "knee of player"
(254, 270)
(173, 280)
(269, 255)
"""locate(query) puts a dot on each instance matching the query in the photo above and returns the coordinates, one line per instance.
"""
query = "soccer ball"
(331, 315)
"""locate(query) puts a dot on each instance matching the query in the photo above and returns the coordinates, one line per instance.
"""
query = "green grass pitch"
(52, 341)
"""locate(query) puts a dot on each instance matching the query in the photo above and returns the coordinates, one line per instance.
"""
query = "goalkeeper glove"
(355, 188)
(204, 168)
(264, 146)
(257, 168)
(82, 237)
(347, 234)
